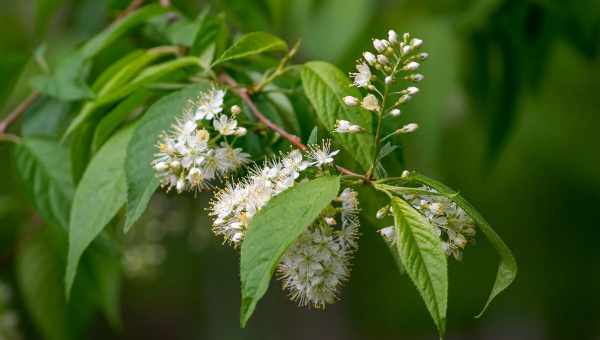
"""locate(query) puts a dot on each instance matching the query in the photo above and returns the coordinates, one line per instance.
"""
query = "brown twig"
(135, 4)
(242, 92)
(17, 112)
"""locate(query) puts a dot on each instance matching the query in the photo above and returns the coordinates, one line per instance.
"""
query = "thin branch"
(135, 4)
(242, 92)
(17, 112)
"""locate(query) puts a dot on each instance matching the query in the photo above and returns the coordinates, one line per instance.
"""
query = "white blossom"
(209, 104)
(395, 112)
(322, 155)
(370, 103)
(380, 44)
(392, 36)
(350, 100)
(362, 78)
(383, 60)
(225, 125)
(369, 58)
(416, 43)
(344, 126)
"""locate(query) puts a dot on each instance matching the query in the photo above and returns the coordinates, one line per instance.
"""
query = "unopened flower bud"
(241, 131)
(411, 66)
(393, 36)
(416, 43)
(411, 90)
(408, 128)
(403, 99)
(380, 44)
(369, 57)
(161, 166)
(389, 80)
(175, 165)
(388, 233)
(382, 212)
(383, 60)
(235, 110)
(423, 56)
(406, 37)
(180, 186)
(405, 174)
(406, 49)
(351, 101)
(395, 112)
(330, 220)
(416, 77)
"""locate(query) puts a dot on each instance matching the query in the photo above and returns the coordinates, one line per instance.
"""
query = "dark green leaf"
(141, 181)
(46, 117)
(251, 44)
(507, 270)
(273, 229)
(45, 170)
(212, 32)
(116, 117)
(421, 254)
(325, 86)
(67, 81)
(100, 194)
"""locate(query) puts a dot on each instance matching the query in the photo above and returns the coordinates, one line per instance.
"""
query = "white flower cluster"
(187, 156)
(452, 224)
(317, 263)
(394, 58)
(235, 205)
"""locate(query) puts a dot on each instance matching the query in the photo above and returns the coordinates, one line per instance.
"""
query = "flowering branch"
(242, 92)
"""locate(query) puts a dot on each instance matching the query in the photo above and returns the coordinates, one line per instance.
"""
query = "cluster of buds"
(197, 150)
(395, 58)
(451, 223)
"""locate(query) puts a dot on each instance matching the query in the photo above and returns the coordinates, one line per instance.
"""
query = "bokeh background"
(509, 114)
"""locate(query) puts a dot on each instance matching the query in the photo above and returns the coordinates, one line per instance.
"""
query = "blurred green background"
(509, 114)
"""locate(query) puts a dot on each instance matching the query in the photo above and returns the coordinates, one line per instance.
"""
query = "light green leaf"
(141, 181)
(507, 270)
(421, 254)
(45, 170)
(251, 44)
(127, 80)
(325, 86)
(100, 194)
(273, 229)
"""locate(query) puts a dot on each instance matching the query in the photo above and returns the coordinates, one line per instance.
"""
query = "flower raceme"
(316, 264)
(188, 155)
(394, 59)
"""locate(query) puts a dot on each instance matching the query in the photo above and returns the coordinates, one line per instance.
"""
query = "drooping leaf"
(507, 270)
(273, 229)
(251, 44)
(45, 170)
(100, 194)
(141, 180)
(421, 254)
(325, 86)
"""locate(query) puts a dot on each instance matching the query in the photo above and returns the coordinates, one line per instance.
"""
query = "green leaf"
(212, 32)
(141, 181)
(67, 81)
(100, 194)
(40, 266)
(507, 270)
(120, 27)
(126, 80)
(273, 229)
(251, 44)
(45, 170)
(421, 254)
(117, 116)
(325, 86)
(46, 117)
